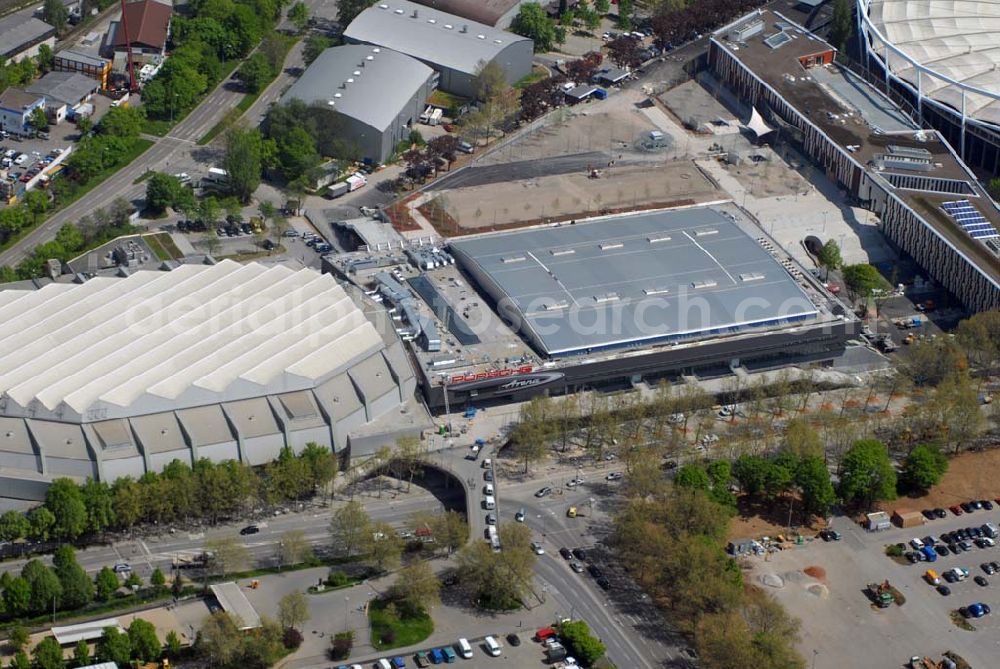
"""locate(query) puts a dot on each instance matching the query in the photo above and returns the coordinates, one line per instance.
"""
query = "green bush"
(894, 550)
(337, 578)
(583, 645)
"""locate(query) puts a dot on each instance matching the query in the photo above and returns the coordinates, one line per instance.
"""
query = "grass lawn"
(163, 246)
(537, 74)
(388, 632)
(445, 100)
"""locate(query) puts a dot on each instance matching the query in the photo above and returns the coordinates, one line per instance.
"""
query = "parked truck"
(881, 594)
(909, 322)
(348, 185)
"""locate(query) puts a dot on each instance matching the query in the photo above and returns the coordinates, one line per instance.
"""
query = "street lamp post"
(347, 602)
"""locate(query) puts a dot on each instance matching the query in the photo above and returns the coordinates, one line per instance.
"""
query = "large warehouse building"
(119, 376)
(617, 301)
(455, 47)
(929, 203)
(376, 94)
(496, 13)
(940, 61)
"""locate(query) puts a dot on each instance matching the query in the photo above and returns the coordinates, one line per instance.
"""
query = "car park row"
(463, 649)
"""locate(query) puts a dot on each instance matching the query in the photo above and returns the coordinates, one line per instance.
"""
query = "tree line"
(209, 491)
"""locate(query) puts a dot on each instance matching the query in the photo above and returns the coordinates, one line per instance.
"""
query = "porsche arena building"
(617, 301)
(938, 59)
(116, 376)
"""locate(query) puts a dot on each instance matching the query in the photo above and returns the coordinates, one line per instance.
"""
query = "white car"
(519, 516)
(614, 476)
(574, 482)
(916, 543)
(537, 548)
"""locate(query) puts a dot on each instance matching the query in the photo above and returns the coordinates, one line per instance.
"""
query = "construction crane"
(128, 50)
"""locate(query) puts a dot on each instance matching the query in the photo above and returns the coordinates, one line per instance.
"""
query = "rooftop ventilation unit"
(414, 13)
(508, 260)
(357, 73)
(657, 240)
(448, 26)
(431, 21)
(706, 233)
(465, 28)
(481, 36)
(383, 6)
(498, 41)
(400, 12)
(369, 58)
(650, 292)
(562, 252)
(610, 246)
(555, 306)
(708, 283)
(607, 297)
(751, 276)
(376, 50)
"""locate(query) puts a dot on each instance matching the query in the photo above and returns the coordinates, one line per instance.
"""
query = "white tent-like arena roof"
(199, 334)
(954, 39)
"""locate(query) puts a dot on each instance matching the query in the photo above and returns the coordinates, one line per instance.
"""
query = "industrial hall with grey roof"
(632, 281)
(455, 47)
(377, 94)
(115, 377)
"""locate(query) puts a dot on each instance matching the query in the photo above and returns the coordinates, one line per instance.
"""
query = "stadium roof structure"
(633, 280)
(950, 45)
(155, 341)
(430, 35)
(483, 11)
(370, 84)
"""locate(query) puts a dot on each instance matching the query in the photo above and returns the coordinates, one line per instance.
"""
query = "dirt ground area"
(613, 126)
(970, 476)
(691, 103)
(564, 196)
(753, 521)
(767, 178)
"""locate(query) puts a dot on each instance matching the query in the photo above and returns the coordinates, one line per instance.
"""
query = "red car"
(957, 510)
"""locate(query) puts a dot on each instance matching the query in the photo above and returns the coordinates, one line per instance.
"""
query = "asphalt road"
(176, 152)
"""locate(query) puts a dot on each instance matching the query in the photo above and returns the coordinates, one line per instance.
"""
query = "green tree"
(842, 24)
(173, 645)
(298, 14)
(157, 579)
(321, 463)
(924, 467)
(161, 191)
(38, 120)
(417, 587)
(347, 10)
(106, 584)
(124, 122)
(77, 588)
(350, 529)
(315, 45)
(813, 477)
(128, 501)
(864, 281)
(499, 580)
(255, 73)
(624, 18)
(294, 547)
(142, 638)
(219, 641)
(46, 591)
(114, 646)
(99, 501)
(14, 525)
(54, 13)
(534, 23)
(385, 546)
(584, 646)
(228, 555)
(293, 610)
(829, 256)
(18, 638)
(81, 653)
(20, 660)
(602, 6)
(692, 476)
(46, 58)
(48, 654)
(17, 597)
(64, 499)
(242, 162)
(535, 428)
(867, 474)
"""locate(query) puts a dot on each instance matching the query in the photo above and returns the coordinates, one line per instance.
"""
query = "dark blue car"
(437, 657)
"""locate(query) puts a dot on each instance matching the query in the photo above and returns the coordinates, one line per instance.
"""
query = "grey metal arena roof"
(632, 281)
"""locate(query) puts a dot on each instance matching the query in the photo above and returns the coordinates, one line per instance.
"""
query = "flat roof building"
(455, 47)
(68, 88)
(235, 603)
(929, 202)
(118, 376)
(496, 13)
(21, 34)
(377, 94)
(632, 281)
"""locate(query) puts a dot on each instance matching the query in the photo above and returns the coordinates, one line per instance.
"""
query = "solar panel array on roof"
(967, 216)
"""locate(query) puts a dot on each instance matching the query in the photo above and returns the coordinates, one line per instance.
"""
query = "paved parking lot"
(839, 622)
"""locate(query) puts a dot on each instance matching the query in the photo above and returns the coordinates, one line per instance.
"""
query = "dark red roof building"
(148, 24)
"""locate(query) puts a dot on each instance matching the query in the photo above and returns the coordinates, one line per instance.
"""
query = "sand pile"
(817, 573)
(772, 580)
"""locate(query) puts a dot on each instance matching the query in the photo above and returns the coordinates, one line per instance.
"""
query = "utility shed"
(907, 518)
(456, 47)
(88, 631)
(235, 603)
(877, 521)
